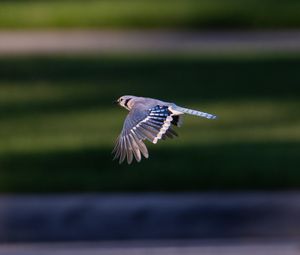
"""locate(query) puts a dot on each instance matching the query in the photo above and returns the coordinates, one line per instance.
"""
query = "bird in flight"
(148, 119)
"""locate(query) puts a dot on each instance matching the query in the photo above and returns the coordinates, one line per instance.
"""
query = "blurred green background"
(58, 124)
(188, 14)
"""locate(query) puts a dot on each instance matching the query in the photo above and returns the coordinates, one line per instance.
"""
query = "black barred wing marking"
(160, 117)
(153, 124)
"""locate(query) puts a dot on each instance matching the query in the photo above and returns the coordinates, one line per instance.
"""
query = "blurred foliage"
(195, 14)
(58, 125)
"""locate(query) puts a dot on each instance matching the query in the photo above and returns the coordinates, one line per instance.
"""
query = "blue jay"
(149, 119)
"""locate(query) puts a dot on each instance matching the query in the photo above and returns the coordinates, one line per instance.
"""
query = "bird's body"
(149, 119)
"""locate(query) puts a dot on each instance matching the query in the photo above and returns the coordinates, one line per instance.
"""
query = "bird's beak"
(115, 102)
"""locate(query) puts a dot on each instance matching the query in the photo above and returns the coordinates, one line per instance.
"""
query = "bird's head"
(126, 102)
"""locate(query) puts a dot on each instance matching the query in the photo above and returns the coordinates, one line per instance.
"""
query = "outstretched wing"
(140, 124)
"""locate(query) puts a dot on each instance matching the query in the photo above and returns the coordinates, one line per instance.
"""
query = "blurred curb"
(148, 41)
(149, 216)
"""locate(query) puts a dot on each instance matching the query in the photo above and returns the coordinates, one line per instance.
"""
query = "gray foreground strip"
(215, 247)
(27, 218)
(145, 41)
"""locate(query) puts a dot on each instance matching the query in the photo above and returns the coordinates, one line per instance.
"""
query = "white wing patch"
(163, 130)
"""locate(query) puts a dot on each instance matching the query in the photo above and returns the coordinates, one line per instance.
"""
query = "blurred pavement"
(211, 247)
(47, 42)
(96, 217)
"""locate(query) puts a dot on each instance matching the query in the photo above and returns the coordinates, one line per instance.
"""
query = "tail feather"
(193, 112)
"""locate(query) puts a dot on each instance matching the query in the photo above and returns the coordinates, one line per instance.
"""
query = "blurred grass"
(58, 124)
(40, 14)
